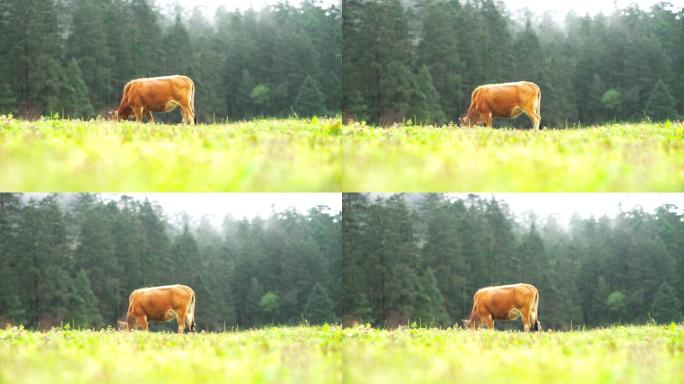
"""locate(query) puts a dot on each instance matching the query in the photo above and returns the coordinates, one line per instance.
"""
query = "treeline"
(73, 57)
(420, 61)
(420, 258)
(75, 260)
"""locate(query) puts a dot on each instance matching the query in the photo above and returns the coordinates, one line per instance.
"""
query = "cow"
(506, 100)
(505, 302)
(157, 94)
(163, 303)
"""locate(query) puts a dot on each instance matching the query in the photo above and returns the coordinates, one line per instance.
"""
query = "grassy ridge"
(263, 155)
(646, 354)
(275, 355)
(631, 157)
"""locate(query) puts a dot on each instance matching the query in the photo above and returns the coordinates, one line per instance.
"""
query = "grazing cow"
(507, 100)
(505, 302)
(163, 303)
(158, 94)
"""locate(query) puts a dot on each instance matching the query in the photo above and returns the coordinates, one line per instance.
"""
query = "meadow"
(272, 355)
(262, 155)
(329, 354)
(619, 157)
(645, 354)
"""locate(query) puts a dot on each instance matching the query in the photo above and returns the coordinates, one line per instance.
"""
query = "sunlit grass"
(274, 355)
(619, 157)
(645, 354)
(329, 354)
(263, 155)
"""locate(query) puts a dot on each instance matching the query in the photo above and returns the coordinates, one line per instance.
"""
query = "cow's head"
(468, 121)
(121, 114)
(121, 325)
(469, 323)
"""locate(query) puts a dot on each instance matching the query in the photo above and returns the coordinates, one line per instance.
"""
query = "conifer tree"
(661, 104)
(666, 305)
(319, 308)
(310, 100)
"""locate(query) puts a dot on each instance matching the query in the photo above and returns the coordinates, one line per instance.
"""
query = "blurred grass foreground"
(55, 155)
(329, 354)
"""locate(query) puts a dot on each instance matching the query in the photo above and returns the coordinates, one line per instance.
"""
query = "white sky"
(564, 205)
(230, 5)
(217, 206)
(560, 8)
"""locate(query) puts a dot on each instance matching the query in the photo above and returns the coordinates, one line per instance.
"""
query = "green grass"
(320, 155)
(274, 355)
(329, 354)
(647, 354)
(262, 155)
(620, 157)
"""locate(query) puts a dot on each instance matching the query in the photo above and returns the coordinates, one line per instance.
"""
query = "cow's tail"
(130, 317)
(537, 104)
(192, 101)
(190, 315)
(535, 314)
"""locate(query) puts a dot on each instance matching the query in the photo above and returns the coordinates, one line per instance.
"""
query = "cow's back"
(155, 302)
(500, 300)
(502, 99)
(154, 93)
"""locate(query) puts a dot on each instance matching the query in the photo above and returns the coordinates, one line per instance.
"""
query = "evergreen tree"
(7, 99)
(319, 308)
(73, 101)
(661, 104)
(430, 309)
(425, 105)
(82, 310)
(310, 100)
(87, 45)
(666, 305)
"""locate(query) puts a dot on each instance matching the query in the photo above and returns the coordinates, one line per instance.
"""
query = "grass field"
(275, 355)
(646, 354)
(636, 157)
(262, 155)
(321, 155)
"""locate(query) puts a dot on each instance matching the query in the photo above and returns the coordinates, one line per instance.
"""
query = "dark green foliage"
(73, 94)
(661, 104)
(75, 259)
(309, 101)
(666, 306)
(421, 257)
(82, 311)
(425, 107)
(465, 44)
(7, 99)
(114, 41)
(319, 308)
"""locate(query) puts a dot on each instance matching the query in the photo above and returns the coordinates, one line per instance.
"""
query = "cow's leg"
(150, 118)
(536, 120)
(142, 321)
(180, 318)
(488, 320)
(188, 116)
(526, 320)
(487, 118)
(138, 112)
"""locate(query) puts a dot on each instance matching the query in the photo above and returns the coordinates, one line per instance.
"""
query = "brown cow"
(505, 302)
(163, 303)
(158, 94)
(507, 100)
